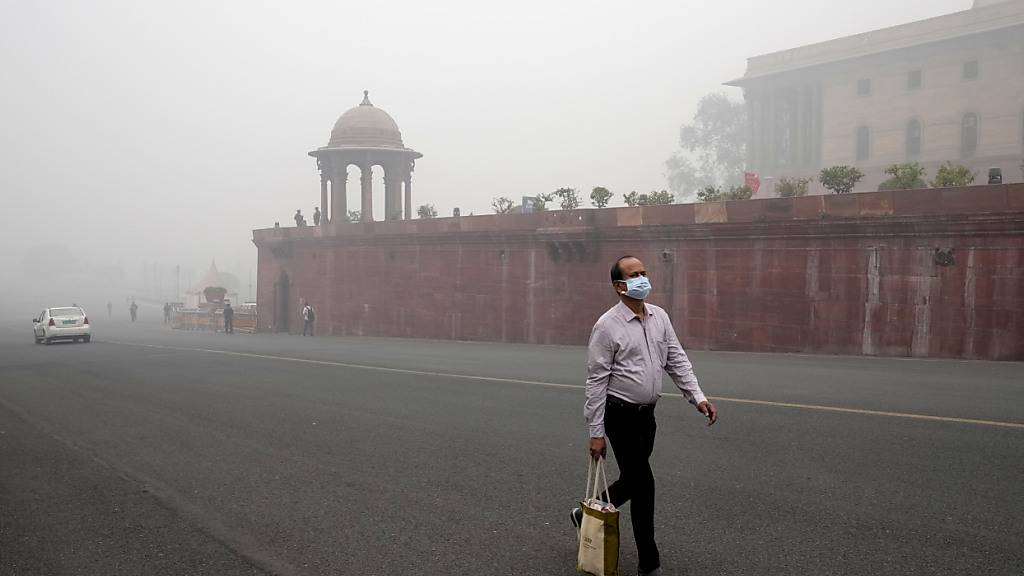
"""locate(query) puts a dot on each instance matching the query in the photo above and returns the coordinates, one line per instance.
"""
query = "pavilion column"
(408, 197)
(392, 193)
(339, 199)
(366, 208)
(323, 199)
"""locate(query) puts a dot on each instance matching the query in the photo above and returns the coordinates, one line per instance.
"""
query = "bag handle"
(596, 473)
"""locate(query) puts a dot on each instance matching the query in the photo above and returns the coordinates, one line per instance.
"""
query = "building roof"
(365, 126)
(985, 16)
(211, 278)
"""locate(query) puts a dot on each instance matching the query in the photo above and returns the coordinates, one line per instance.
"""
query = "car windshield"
(61, 312)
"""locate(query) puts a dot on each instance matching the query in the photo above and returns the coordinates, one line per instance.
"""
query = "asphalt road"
(153, 451)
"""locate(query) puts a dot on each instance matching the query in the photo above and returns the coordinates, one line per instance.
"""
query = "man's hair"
(617, 270)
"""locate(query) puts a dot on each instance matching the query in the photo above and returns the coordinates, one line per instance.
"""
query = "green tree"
(540, 202)
(354, 216)
(790, 187)
(655, 198)
(840, 179)
(568, 199)
(660, 198)
(716, 194)
(426, 211)
(909, 176)
(952, 175)
(709, 194)
(600, 196)
(503, 205)
(738, 193)
(712, 147)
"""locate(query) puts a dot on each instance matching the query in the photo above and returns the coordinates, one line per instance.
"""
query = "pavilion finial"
(366, 99)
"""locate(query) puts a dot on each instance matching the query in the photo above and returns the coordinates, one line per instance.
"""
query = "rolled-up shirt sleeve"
(600, 355)
(678, 366)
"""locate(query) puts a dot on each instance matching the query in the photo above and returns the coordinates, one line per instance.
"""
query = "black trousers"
(630, 429)
(229, 326)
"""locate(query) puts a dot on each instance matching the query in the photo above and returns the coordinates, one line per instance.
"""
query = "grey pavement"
(154, 451)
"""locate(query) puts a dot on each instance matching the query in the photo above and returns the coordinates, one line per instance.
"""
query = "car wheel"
(47, 341)
(37, 339)
(86, 339)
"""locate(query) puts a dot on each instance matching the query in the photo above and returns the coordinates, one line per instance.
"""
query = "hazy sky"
(166, 131)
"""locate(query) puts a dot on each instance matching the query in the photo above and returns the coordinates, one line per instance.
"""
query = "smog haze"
(146, 139)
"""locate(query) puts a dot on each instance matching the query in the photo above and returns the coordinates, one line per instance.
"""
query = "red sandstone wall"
(851, 274)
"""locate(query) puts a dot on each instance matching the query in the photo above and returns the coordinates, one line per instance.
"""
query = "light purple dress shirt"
(626, 357)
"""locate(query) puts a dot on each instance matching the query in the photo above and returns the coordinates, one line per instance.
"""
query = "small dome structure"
(365, 137)
(365, 126)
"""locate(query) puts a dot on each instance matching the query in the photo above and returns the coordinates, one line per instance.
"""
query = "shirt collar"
(626, 314)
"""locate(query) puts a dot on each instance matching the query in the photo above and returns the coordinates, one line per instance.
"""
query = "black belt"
(620, 403)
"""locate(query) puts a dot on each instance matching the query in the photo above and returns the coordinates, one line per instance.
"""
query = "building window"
(913, 80)
(863, 143)
(969, 136)
(864, 87)
(970, 70)
(914, 139)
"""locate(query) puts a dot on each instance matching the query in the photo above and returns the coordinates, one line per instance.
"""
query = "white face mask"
(638, 288)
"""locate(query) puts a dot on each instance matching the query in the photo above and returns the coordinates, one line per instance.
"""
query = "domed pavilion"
(365, 136)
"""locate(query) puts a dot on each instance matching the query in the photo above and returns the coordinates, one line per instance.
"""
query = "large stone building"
(949, 88)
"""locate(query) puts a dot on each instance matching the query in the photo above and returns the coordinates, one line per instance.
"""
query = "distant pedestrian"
(229, 316)
(308, 316)
(300, 220)
(133, 310)
(110, 309)
(167, 312)
(630, 346)
(316, 216)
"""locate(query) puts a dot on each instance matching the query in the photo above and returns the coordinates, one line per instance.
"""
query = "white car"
(68, 323)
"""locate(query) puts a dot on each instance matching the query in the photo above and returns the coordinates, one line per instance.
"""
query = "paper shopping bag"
(599, 531)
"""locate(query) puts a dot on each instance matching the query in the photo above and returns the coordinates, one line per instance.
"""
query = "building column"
(339, 197)
(392, 194)
(323, 199)
(366, 207)
(408, 197)
(753, 129)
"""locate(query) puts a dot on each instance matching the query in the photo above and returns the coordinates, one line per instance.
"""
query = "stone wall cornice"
(972, 209)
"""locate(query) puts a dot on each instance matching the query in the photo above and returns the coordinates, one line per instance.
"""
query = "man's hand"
(706, 408)
(597, 448)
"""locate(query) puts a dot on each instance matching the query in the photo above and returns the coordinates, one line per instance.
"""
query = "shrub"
(790, 187)
(952, 175)
(568, 199)
(427, 211)
(709, 194)
(840, 179)
(908, 176)
(716, 194)
(653, 199)
(600, 196)
(503, 205)
(540, 202)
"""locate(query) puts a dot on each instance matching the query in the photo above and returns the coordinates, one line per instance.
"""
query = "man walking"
(307, 319)
(629, 347)
(133, 309)
(229, 317)
(167, 312)
(316, 216)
